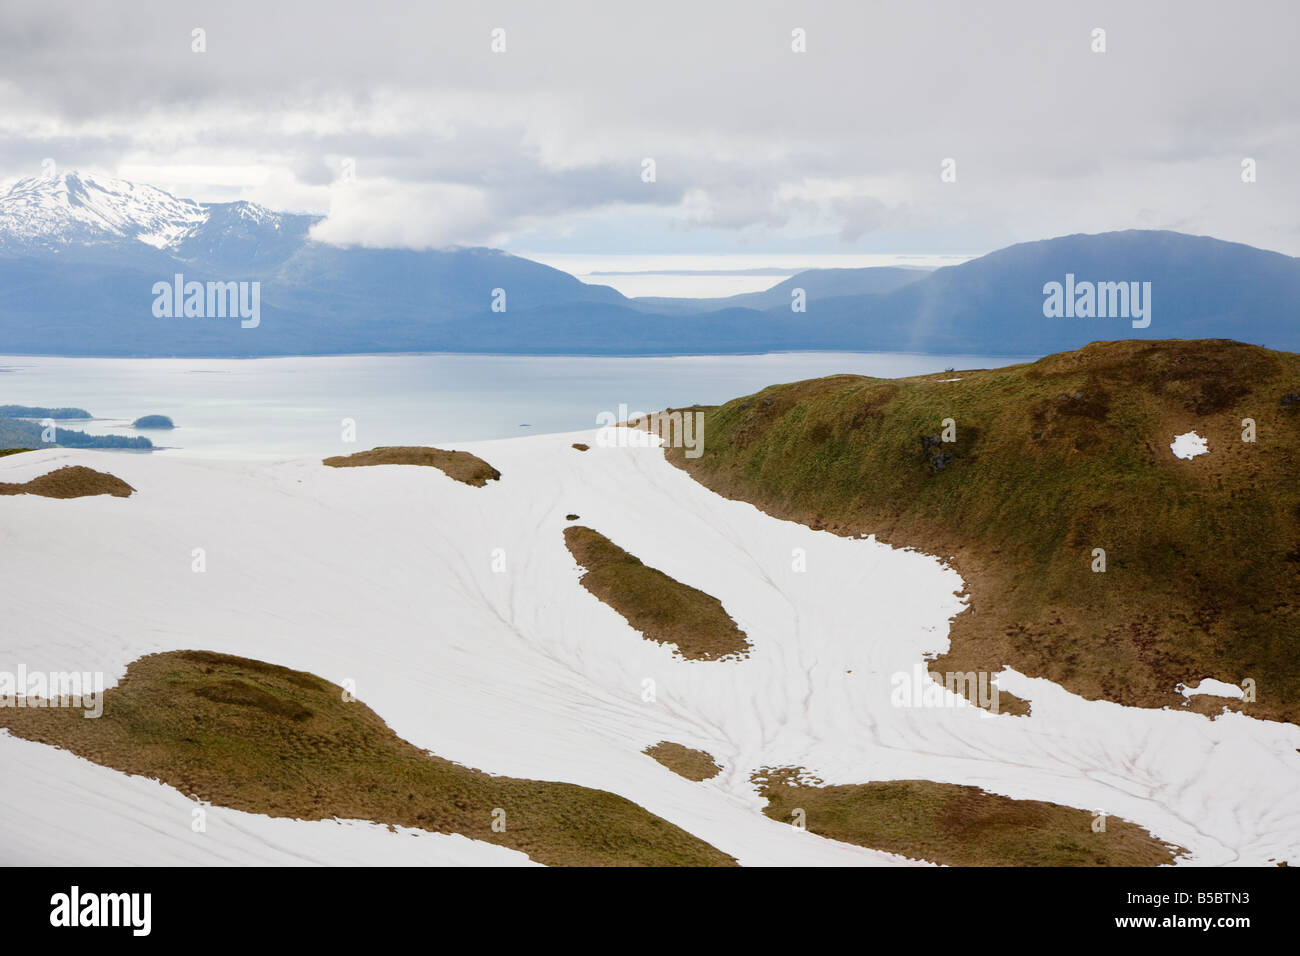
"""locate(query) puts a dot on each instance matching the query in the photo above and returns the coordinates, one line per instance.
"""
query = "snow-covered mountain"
(79, 256)
(76, 210)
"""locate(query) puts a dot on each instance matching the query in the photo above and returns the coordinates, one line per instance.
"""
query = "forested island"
(21, 426)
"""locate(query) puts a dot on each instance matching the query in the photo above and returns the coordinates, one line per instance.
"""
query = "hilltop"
(1052, 460)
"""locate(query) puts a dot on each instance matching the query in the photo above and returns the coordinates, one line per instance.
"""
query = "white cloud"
(842, 142)
(384, 213)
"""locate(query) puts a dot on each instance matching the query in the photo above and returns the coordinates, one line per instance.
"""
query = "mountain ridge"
(1151, 571)
(79, 256)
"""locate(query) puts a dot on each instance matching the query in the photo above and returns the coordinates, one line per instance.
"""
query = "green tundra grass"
(1052, 460)
(252, 736)
(957, 826)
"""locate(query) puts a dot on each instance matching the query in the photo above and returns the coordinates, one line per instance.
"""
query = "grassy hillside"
(264, 739)
(957, 826)
(1053, 460)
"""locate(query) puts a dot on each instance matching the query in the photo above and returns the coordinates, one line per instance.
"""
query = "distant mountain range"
(80, 259)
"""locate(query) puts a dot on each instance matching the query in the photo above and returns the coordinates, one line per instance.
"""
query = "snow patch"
(1212, 687)
(524, 673)
(1189, 446)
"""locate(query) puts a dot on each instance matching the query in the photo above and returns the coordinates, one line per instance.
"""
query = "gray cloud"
(839, 146)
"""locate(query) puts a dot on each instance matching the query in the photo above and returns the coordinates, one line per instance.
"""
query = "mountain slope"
(243, 237)
(1050, 461)
(72, 209)
(79, 258)
(525, 674)
(1200, 287)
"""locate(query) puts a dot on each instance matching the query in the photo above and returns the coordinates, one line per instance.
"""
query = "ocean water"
(293, 407)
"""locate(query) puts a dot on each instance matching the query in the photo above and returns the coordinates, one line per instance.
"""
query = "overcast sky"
(757, 148)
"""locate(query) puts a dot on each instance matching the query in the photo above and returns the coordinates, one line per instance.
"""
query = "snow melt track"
(384, 576)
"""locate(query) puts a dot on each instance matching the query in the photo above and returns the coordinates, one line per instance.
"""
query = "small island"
(153, 421)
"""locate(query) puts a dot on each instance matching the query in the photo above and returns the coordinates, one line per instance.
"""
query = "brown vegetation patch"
(1053, 459)
(460, 465)
(692, 764)
(263, 739)
(73, 481)
(663, 609)
(956, 825)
